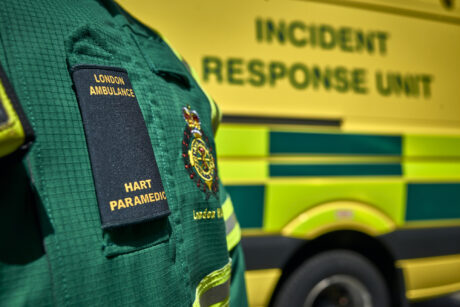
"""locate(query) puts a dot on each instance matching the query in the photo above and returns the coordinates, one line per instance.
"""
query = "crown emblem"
(193, 121)
(198, 155)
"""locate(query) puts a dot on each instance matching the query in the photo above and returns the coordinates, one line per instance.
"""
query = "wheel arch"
(368, 246)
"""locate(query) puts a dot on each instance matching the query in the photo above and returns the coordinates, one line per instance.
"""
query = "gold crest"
(197, 154)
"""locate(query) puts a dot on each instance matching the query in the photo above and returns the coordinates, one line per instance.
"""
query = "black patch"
(125, 172)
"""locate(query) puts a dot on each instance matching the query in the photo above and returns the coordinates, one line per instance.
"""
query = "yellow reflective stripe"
(253, 142)
(260, 285)
(227, 207)
(11, 133)
(431, 146)
(234, 170)
(214, 289)
(431, 276)
(234, 237)
(231, 224)
(432, 169)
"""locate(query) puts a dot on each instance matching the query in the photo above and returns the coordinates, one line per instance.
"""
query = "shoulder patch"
(126, 175)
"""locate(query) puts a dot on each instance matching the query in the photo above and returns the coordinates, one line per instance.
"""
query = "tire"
(334, 278)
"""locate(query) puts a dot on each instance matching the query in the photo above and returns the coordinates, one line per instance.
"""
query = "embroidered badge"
(198, 156)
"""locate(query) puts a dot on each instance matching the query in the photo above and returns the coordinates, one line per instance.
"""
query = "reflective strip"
(252, 141)
(231, 224)
(442, 168)
(431, 146)
(240, 170)
(218, 294)
(214, 289)
(11, 131)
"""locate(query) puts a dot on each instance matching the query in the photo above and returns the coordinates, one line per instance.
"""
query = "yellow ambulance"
(339, 143)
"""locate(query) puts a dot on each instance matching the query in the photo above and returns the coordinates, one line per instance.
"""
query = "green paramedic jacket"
(118, 202)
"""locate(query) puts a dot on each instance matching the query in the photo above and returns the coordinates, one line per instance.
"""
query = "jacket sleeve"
(238, 296)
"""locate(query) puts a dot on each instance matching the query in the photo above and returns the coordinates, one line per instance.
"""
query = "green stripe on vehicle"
(296, 170)
(431, 201)
(248, 203)
(232, 227)
(330, 143)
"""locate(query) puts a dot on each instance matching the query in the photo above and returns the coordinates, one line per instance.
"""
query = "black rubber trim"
(420, 243)
(268, 252)
(268, 120)
(401, 286)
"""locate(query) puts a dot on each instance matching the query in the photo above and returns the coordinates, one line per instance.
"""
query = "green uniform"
(61, 242)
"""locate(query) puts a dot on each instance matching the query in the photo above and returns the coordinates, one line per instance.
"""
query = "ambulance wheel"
(335, 278)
